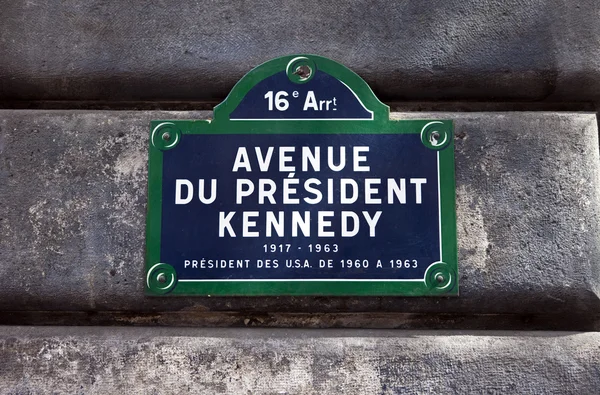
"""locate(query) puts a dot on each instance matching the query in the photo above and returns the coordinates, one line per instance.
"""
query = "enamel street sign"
(301, 185)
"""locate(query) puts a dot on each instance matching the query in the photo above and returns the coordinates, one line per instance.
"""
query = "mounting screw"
(166, 136)
(303, 71)
(440, 278)
(161, 278)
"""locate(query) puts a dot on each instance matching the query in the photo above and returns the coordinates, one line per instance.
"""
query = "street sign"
(301, 185)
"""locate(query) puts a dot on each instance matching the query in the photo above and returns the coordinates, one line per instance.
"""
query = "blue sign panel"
(300, 207)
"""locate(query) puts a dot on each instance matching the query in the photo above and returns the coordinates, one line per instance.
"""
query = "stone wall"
(197, 50)
(73, 184)
(248, 361)
(74, 206)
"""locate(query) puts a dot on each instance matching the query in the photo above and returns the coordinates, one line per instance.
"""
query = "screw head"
(440, 278)
(162, 278)
(166, 136)
(303, 71)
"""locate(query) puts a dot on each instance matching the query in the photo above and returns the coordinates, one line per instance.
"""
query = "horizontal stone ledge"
(73, 205)
(364, 320)
(397, 106)
(441, 49)
(150, 360)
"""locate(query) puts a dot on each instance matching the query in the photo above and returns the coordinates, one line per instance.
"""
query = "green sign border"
(441, 278)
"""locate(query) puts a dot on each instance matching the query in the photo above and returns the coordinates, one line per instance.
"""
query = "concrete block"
(72, 217)
(100, 360)
(188, 50)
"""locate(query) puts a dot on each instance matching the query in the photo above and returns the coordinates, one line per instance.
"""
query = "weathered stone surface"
(72, 218)
(109, 360)
(197, 50)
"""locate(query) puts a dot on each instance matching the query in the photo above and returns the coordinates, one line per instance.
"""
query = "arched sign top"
(301, 87)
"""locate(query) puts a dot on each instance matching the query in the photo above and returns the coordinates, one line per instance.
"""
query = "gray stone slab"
(196, 50)
(73, 204)
(98, 360)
